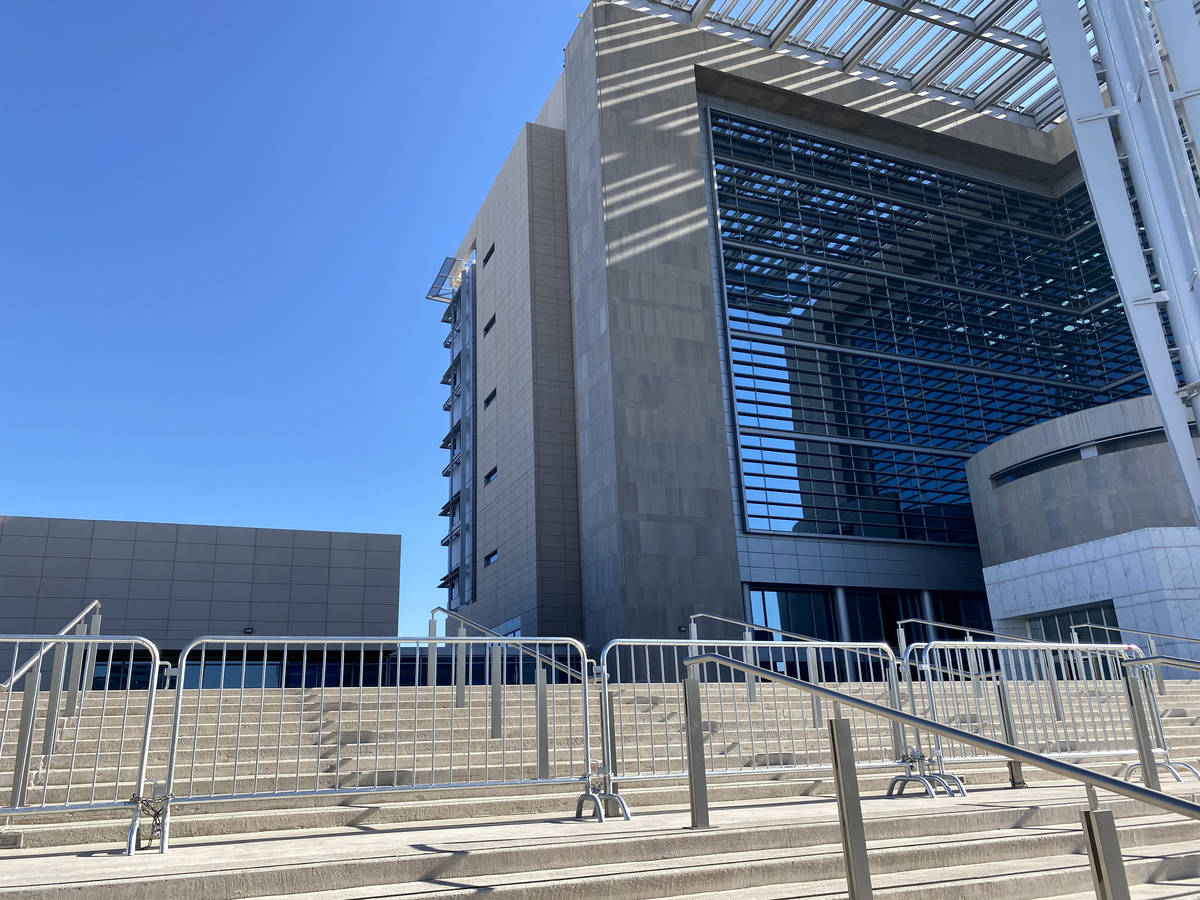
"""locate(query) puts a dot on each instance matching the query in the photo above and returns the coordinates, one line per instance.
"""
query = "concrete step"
(941, 846)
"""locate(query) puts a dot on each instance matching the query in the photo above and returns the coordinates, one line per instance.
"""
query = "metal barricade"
(749, 726)
(293, 716)
(75, 723)
(1062, 699)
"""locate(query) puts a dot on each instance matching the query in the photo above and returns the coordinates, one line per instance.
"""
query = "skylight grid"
(917, 44)
(988, 56)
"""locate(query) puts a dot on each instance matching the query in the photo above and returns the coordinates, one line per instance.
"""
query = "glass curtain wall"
(887, 320)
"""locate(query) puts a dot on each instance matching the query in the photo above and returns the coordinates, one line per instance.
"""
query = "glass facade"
(1057, 625)
(887, 319)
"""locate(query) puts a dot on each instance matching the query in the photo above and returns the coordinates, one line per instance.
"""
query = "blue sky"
(218, 221)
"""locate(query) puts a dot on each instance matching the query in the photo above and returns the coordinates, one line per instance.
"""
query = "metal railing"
(294, 716)
(1099, 825)
(80, 627)
(1151, 646)
(464, 623)
(902, 635)
(1068, 699)
(754, 728)
(94, 749)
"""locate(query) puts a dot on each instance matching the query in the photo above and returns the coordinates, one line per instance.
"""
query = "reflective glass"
(887, 319)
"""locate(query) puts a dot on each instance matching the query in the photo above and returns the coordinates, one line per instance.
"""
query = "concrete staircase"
(776, 832)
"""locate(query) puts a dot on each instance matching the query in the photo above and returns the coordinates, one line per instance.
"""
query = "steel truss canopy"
(988, 56)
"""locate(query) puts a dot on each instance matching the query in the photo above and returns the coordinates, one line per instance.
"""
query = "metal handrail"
(866, 651)
(36, 658)
(561, 667)
(1177, 661)
(1016, 754)
(1151, 634)
(963, 628)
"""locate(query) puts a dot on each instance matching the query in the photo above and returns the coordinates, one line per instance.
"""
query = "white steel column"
(1143, 109)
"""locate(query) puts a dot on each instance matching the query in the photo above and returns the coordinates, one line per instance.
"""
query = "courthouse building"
(745, 296)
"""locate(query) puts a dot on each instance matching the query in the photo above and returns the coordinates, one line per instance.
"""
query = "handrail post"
(89, 656)
(1055, 689)
(1016, 776)
(1141, 736)
(76, 674)
(431, 660)
(815, 677)
(1104, 854)
(973, 669)
(850, 817)
(697, 776)
(54, 697)
(497, 679)
(25, 737)
(899, 748)
(747, 657)
(460, 670)
(901, 639)
(1158, 675)
(543, 729)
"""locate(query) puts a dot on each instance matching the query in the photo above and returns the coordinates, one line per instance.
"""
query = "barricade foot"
(598, 799)
(897, 785)
(156, 809)
(1170, 767)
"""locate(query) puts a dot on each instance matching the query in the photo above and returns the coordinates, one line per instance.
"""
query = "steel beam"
(1152, 142)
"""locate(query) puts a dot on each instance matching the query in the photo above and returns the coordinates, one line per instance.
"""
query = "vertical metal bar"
(497, 689)
(1158, 675)
(899, 750)
(77, 654)
(25, 735)
(460, 670)
(1016, 776)
(1104, 853)
(748, 658)
(89, 658)
(57, 670)
(431, 661)
(697, 779)
(850, 818)
(814, 677)
(1141, 735)
(543, 733)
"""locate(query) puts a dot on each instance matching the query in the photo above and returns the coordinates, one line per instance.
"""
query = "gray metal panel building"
(171, 583)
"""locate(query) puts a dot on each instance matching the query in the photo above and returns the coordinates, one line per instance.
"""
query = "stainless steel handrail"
(1016, 754)
(565, 669)
(1177, 661)
(963, 628)
(756, 627)
(875, 654)
(1150, 634)
(33, 660)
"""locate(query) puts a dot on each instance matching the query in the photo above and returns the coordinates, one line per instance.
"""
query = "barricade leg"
(1141, 732)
